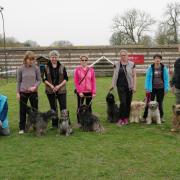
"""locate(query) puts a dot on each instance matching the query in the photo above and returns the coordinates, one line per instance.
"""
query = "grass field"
(137, 151)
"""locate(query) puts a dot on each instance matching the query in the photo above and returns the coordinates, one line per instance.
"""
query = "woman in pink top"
(85, 83)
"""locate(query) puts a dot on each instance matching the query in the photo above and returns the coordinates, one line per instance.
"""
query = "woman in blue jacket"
(157, 83)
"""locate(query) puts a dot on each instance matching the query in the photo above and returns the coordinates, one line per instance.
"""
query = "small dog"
(88, 121)
(153, 113)
(176, 118)
(136, 110)
(112, 108)
(64, 123)
(39, 120)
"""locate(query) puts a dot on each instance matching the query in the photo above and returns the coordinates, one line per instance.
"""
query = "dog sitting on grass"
(64, 123)
(88, 121)
(153, 113)
(176, 118)
(39, 120)
(112, 108)
(136, 110)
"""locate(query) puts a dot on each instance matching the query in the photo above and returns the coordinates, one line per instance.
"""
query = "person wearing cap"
(85, 83)
(55, 78)
(156, 83)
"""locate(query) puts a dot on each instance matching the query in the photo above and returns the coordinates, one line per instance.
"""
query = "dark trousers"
(53, 104)
(80, 101)
(159, 94)
(125, 97)
(33, 98)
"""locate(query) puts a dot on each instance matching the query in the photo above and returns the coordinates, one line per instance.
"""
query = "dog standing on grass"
(64, 123)
(153, 113)
(39, 120)
(136, 110)
(88, 121)
(112, 108)
(176, 118)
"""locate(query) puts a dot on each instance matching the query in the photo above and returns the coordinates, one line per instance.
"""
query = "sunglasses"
(84, 60)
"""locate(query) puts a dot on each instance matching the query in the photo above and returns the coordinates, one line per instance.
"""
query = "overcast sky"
(82, 22)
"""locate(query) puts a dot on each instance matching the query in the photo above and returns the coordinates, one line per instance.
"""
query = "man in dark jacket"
(175, 83)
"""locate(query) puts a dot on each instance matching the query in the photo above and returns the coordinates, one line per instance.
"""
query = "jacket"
(150, 76)
(89, 82)
(3, 111)
(130, 74)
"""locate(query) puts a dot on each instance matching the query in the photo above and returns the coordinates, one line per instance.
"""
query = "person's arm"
(38, 80)
(134, 79)
(64, 81)
(166, 80)
(147, 79)
(76, 81)
(19, 80)
(93, 80)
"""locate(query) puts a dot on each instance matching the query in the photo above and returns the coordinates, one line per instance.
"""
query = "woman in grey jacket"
(124, 78)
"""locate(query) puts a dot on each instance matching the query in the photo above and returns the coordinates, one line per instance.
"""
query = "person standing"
(175, 83)
(85, 83)
(124, 78)
(156, 83)
(55, 78)
(28, 80)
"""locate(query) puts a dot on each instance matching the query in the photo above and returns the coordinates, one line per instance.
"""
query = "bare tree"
(133, 24)
(172, 15)
(62, 43)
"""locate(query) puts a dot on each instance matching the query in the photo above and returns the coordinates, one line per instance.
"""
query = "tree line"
(135, 27)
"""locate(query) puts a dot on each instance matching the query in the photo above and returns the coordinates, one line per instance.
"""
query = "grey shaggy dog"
(64, 123)
(39, 120)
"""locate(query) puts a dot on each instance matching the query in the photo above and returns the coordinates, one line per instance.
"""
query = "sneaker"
(120, 122)
(21, 132)
(126, 121)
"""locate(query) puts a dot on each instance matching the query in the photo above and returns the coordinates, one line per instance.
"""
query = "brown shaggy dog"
(176, 118)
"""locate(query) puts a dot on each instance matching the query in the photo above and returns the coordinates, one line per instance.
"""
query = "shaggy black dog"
(88, 121)
(112, 108)
(64, 123)
(39, 120)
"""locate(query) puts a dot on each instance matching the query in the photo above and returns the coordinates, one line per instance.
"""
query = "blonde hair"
(28, 55)
(123, 50)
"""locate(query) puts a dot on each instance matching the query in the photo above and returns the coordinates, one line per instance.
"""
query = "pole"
(4, 43)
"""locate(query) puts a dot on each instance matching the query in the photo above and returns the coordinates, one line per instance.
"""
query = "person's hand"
(173, 89)
(111, 88)
(81, 94)
(93, 95)
(134, 90)
(56, 88)
(32, 89)
(18, 96)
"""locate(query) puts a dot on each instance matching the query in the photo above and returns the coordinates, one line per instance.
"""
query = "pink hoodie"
(89, 82)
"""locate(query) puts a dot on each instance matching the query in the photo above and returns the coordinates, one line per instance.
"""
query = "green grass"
(133, 152)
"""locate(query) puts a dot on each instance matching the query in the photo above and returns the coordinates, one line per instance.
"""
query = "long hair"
(28, 55)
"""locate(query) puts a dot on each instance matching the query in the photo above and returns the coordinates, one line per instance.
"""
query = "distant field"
(137, 151)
